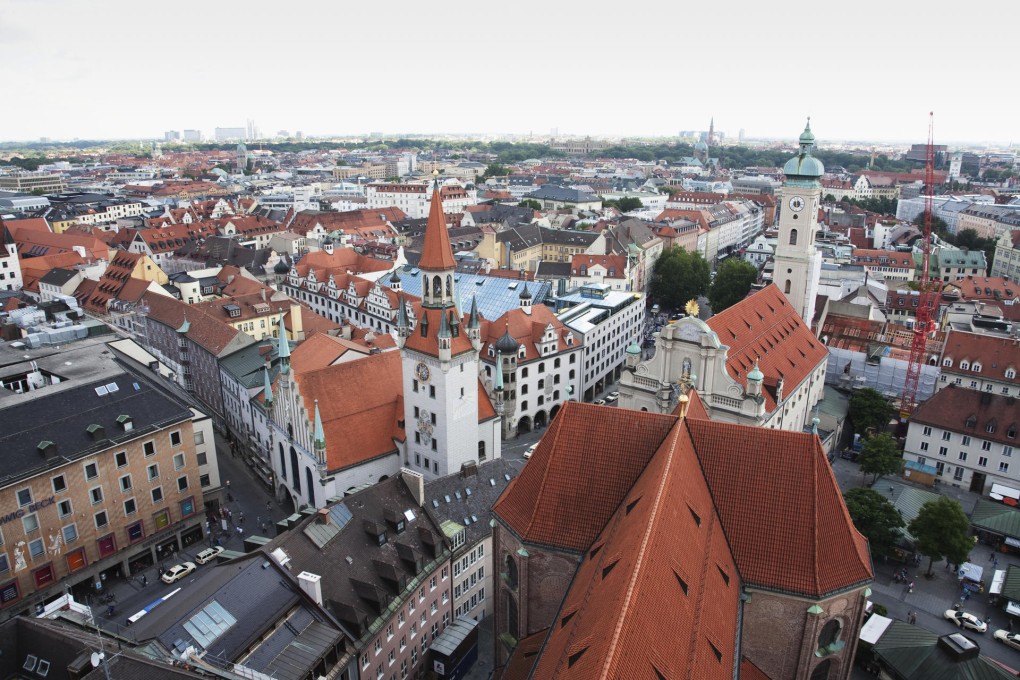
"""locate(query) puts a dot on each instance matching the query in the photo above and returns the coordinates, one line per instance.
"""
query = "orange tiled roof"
(782, 509)
(436, 253)
(429, 344)
(360, 406)
(550, 504)
(658, 591)
(765, 326)
(526, 330)
(215, 336)
(993, 354)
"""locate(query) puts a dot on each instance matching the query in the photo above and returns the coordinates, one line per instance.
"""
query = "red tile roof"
(526, 330)
(360, 405)
(993, 354)
(215, 336)
(782, 509)
(766, 327)
(550, 504)
(436, 253)
(658, 591)
(972, 412)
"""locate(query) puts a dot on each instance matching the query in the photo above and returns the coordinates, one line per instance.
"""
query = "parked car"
(1007, 638)
(848, 454)
(209, 554)
(530, 450)
(177, 572)
(613, 396)
(599, 402)
(966, 620)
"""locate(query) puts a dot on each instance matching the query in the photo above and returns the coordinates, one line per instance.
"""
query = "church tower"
(797, 261)
(440, 367)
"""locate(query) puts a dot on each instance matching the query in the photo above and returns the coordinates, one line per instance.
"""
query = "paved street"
(931, 598)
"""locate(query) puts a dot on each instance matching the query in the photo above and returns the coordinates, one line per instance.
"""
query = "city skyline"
(523, 69)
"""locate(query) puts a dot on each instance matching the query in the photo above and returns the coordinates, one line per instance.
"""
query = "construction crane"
(924, 324)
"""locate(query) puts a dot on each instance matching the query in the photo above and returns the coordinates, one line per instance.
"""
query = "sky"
(866, 71)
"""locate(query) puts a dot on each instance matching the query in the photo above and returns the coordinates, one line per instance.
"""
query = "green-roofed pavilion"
(913, 653)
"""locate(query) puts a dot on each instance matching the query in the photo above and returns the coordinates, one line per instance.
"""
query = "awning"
(1000, 491)
(1013, 542)
(971, 571)
(872, 631)
(1013, 608)
(998, 578)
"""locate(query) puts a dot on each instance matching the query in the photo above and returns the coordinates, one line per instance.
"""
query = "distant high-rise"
(230, 134)
(740, 135)
(192, 135)
(171, 136)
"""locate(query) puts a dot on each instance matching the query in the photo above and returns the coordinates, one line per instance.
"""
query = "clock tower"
(442, 421)
(797, 262)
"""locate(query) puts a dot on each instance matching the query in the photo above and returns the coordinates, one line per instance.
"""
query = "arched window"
(511, 615)
(830, 633)
(311, 487)
(787, 289)
(437, 287)
(449, 286)
(511, 571)
(793, 237)
(822, 670)
(283, 463)
(295, 473)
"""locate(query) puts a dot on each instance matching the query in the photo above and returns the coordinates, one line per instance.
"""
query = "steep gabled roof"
(658, 591)
(782, 509)
(766, 327)
(551, 504)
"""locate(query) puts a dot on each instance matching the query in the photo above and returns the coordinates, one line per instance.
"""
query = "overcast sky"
(869, 70)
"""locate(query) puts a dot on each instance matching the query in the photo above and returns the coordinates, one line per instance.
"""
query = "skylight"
(209, 624)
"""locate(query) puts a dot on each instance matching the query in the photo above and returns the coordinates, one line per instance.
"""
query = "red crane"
(924, 324)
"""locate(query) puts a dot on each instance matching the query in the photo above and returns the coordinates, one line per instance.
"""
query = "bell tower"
(797, 261)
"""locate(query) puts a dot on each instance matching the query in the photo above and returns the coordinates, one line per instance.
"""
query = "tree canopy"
(531, 203)
(881, 456)
(875, 517)
(733, 280)
(869, 409)
(942, 531)
(677, 277)
(625, 204)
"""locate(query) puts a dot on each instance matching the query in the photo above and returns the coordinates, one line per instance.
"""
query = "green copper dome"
(701, 146)
(633, 348)
(804, 164)
(756, 374)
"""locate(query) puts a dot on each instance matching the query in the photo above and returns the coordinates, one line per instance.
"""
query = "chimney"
(263, 294)
(322, 516)
(415, 483)
(469, 469)
(310, 583)
(779, 390)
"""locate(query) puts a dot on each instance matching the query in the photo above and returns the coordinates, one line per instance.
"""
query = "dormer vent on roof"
(375, 531)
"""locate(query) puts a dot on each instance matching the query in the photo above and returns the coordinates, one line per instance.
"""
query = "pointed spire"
(444, 326)
(436, 254)
(474, 320)
(267, 387)
(319, 434)
(283, 347)
(402, 321)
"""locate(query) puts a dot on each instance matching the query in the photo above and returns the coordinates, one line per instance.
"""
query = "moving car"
(966, 620)
(208, 555)
(178, 571)
(599, 402)
(531, 450)
(1007, 638)
(613, 396)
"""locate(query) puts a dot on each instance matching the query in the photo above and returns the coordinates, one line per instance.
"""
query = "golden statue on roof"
(691, 307)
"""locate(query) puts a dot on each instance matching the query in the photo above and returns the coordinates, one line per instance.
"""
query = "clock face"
(422, 371)
(796, 204)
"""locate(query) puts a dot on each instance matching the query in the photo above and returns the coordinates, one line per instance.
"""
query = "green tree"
(531, 203)
(875, 517)
(733, 280)
(942, 531)
(494, 170)
(628, 203)
(678, 276)
(881, 456)
(870, 410)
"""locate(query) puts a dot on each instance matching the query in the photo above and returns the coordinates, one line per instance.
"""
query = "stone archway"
(524, 425)
(540, 420)
(286, 499)
(552, 413)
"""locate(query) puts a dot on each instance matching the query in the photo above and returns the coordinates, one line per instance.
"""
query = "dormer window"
(947, 362)
(964, 365)
(1010, 373)
(976, 368)
(990, 427)
(971, 421)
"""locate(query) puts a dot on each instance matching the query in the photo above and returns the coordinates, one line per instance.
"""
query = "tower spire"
(283, 347)
(436, 254)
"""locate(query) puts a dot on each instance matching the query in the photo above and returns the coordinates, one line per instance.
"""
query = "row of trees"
(679, 276)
